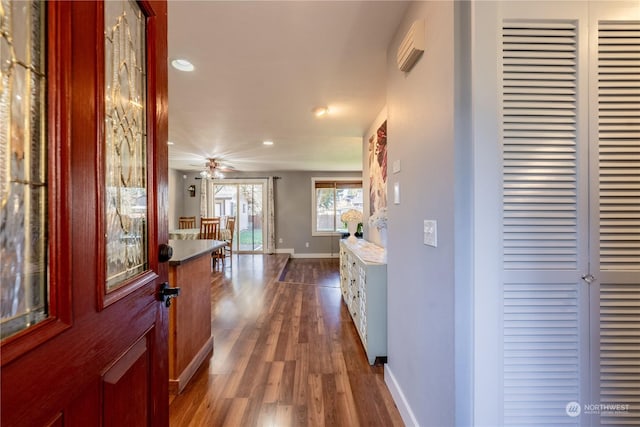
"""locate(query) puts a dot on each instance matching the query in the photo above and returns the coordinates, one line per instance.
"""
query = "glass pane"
(325, 204)
(346, 199)
(256, 217)
(250, 218)
(125, 142)
(225, 203)
(23, 186)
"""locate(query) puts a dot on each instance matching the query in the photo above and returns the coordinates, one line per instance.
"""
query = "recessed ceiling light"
(320, 111)
(267, 142)
(182, 65)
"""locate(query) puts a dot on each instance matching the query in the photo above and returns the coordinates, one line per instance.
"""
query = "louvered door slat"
(619, 156)
(619, 219)
(539, 136)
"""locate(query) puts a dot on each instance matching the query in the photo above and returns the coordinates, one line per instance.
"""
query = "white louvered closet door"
(570, 127)
(545, 189)
(615, 219)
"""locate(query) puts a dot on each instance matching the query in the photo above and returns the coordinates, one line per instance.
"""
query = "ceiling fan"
(214, 168)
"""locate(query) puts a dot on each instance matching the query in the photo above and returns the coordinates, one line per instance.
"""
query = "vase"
(383, 236)
(352, 226)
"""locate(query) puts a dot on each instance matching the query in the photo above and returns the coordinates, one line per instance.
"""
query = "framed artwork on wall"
(378, 170)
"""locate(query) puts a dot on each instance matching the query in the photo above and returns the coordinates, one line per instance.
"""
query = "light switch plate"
(431, 232)
(396, 193)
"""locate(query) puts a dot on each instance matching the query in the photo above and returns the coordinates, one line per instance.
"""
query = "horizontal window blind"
(338, 184)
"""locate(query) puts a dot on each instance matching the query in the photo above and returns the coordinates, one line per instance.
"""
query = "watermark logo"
(605, 408)
(573, 409)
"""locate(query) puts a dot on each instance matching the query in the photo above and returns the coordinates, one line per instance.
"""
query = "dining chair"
(186, 222)
(226, 234)
(228, 250)
(209, 228)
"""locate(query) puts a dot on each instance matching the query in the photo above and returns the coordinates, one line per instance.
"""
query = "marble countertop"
(185, 250)
(366, 251)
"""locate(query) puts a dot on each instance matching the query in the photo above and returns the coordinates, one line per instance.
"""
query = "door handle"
(165, 252)
(588, 278)
(167, 293)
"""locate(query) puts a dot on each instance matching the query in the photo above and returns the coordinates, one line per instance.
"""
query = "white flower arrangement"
(379, 219)
(351, 215)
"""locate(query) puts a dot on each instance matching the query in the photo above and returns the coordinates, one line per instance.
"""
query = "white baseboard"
(308, 255)
(289, 251)
(398, 397)
(293, 254)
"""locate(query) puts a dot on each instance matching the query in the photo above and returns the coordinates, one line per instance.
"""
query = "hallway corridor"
(286, 353)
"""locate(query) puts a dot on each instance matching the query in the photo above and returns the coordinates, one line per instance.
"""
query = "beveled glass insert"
(125, 142)
(23, 166)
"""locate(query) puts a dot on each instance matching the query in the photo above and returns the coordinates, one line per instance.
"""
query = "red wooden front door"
(100, 357)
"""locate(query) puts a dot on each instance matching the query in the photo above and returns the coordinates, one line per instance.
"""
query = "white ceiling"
(262, 66)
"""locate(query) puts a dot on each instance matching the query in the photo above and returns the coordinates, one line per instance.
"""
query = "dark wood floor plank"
(286, 353)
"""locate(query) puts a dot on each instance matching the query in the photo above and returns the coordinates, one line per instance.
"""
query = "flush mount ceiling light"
(267, 142)
(182, 65)
(320, 111)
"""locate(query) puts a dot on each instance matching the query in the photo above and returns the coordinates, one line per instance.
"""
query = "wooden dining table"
(184, 234)
(194, 233)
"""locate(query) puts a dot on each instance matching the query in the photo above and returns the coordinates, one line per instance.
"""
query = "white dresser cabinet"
(363, 281)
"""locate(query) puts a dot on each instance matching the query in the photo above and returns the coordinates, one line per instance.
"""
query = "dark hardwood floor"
(286, 353)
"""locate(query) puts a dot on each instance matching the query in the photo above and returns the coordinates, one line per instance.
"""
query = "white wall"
(177, 193)
(180, 202)
(421, 280)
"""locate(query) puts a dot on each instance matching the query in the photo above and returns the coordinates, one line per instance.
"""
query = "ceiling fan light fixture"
(320, 111)
(182, 64)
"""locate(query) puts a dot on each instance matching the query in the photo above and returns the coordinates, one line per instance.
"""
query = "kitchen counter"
(190, 339)
(185, 250)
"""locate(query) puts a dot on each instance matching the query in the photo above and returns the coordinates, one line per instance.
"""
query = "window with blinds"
(331, 198)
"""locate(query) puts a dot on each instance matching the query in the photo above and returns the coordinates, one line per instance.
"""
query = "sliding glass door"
(250, 221)
(245, 200)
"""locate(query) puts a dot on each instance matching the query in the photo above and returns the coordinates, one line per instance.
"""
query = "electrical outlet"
(431, 232)
(280, 240)
(306, 244)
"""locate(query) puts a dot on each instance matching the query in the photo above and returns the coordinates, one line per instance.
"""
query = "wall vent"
(411, 47)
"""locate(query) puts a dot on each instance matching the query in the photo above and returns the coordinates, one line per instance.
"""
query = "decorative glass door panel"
(125, 142)
(23, 167)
